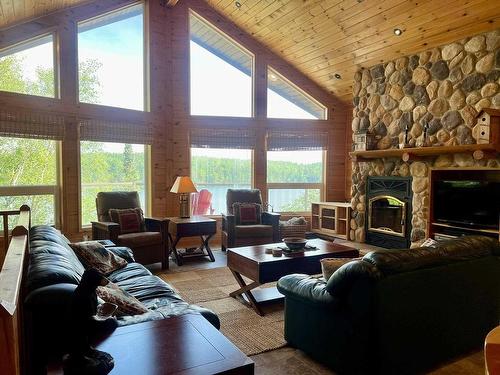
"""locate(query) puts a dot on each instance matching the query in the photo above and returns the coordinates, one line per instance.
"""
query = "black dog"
(82, 358)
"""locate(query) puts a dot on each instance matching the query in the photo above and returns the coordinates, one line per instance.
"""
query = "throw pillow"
(429, 242)
(330, 265)
(127, 303)
(131, 220)
(247, 213)
(94, 255)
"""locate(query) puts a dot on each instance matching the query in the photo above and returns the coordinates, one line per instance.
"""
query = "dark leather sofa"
(397, 311)
(53, 273)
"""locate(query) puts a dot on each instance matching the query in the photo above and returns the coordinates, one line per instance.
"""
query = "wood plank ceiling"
(327, 37)
(323, 38)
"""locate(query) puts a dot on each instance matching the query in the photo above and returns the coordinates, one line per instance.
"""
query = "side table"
(194, 226)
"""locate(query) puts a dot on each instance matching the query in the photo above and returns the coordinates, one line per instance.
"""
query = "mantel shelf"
(480, 151)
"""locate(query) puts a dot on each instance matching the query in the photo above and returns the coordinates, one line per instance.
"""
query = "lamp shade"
(183, 184)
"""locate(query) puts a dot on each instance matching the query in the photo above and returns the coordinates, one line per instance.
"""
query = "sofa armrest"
(307, 289)
(102, 230)
(228, 222)
(272, 218)
(123, 252)
(154, 224)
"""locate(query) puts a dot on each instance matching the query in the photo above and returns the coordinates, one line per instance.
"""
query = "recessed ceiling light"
(398, 32)
(237, 4)
(338, 76)
(272, 77)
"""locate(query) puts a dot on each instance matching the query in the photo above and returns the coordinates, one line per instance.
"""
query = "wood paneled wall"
(168, 59)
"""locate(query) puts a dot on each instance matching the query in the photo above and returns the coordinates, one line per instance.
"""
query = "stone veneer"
(444, 87)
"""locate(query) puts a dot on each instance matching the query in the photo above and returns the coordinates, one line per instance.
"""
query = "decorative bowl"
(295, 243)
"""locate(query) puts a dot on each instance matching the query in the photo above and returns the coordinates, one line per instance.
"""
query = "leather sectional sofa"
(53, 273)
(397, 311)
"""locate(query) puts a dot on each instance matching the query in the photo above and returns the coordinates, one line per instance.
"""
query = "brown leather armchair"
(248, 235)
(148, 246)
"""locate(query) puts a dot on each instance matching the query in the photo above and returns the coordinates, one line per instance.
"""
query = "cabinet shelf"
(480, 151)
(331, 219)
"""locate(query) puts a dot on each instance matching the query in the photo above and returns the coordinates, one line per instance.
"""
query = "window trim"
(296, 87)
(300, 185)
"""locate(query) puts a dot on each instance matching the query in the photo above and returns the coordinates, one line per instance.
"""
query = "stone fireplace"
(437, 94)
(388, 211)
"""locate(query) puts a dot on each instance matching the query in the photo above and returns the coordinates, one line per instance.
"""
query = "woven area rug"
(251, 333)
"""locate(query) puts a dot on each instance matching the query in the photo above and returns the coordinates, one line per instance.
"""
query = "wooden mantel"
(479, 151)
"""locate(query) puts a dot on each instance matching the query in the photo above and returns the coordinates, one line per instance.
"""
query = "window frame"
(252, 174)
(55, 61)
(54, 190)
(209, 24)
(299, 185)
(147, 183)
(146, 100)
(270, 69)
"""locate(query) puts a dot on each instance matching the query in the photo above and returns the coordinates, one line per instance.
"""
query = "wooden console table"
(194, 226)
(186, 344)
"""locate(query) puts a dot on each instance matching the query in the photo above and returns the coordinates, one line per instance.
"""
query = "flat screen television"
(469, 203)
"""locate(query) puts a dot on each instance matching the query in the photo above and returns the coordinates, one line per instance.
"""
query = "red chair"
(201, 203)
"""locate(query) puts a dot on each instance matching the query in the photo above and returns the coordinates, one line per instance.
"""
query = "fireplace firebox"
(388, 213)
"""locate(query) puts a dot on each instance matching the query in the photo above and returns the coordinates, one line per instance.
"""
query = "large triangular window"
(220, 72)
(285, 100)
(28, 67)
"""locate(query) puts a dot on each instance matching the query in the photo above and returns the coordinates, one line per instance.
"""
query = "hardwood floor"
(290, 361)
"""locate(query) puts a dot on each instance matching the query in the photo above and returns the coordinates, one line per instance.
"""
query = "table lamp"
(183, 186)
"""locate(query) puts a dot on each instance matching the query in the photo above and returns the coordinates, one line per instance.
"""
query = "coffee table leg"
(246, 289)
(205, 246)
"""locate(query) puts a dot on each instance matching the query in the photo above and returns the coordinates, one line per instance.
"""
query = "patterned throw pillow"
(127, 303)
(429, 242)
(330, 265)
(94, 255)
(247, 213)
(131, 220)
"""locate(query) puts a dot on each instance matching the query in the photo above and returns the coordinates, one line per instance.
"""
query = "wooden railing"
(11, 274)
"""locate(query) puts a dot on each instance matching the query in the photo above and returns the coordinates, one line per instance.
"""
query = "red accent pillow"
(247, 213)
(131, 220)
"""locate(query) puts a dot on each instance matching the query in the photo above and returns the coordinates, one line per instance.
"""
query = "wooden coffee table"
(253, 263)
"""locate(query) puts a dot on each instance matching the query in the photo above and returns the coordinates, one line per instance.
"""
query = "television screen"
(472, 203)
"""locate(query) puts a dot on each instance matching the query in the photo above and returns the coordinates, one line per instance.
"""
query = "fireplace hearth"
(389, 210)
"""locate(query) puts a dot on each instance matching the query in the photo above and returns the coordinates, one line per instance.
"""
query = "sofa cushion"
(250, 231)
(94, 255)
(130, 271)
(139, 239)
(449, 251)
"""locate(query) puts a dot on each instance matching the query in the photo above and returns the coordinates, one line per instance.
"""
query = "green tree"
(25, 162)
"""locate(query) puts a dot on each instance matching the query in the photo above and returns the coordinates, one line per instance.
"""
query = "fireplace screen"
(386, 214)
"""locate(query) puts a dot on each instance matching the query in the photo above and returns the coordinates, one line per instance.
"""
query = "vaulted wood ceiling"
(327, 37)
